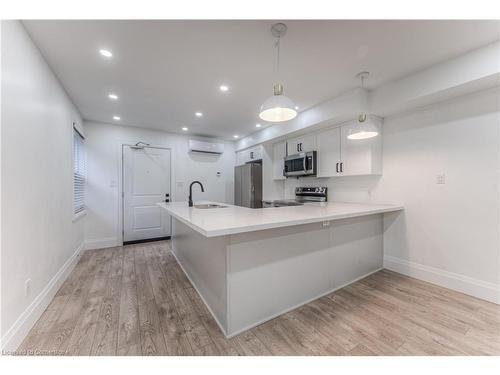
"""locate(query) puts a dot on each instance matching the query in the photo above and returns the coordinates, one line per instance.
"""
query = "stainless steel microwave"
(303, 164)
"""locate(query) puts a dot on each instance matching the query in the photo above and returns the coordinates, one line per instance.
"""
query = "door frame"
(121, 195)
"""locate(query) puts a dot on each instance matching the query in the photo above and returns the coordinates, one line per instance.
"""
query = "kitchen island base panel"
(266, 273)
(203, 260)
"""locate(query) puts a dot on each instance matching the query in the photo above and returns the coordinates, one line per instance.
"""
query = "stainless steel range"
(302, 195)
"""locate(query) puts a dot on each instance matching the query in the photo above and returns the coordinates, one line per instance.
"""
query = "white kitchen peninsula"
(250, 265)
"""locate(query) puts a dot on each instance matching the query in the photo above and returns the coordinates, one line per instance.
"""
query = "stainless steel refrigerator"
(248, 185)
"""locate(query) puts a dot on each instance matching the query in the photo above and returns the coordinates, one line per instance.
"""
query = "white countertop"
(234, 219)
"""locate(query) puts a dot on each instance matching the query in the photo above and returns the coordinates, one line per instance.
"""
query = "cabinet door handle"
(251, 155)
(301, 146)
(342, 167)
(337, 167)
(297, 147)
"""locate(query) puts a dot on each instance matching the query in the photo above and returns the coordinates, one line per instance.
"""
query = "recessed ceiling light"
(105, 53)
(258, 125)
(198, 114)
(113, 96)
(116, 118)
(236, 136)
(296, 107)
(223, 88)
(185, 129)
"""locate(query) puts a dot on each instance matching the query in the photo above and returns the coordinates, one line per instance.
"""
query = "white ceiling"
(165, 71)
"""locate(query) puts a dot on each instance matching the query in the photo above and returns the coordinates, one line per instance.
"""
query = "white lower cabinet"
(279, 153)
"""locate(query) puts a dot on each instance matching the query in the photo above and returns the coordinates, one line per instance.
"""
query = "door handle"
(167, 197)
(298, 147)
(337, 167)
(342, 167)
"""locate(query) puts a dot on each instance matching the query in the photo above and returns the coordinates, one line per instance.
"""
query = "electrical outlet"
(326, 223)
(441, 179)
(27, 287)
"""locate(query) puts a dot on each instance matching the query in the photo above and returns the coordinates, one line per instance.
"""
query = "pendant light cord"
(277, 46)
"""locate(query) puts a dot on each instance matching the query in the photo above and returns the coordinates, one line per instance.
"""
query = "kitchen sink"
(206, 206)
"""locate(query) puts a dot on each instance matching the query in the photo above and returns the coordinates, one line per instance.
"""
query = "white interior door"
(146, 182)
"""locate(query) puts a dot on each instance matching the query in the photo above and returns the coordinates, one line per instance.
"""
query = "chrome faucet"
(191, 191)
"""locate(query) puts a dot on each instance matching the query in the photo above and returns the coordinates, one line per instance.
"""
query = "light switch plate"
(27, 287)
(440, 179)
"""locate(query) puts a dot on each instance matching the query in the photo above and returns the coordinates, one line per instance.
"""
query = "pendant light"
(278, 108)
(364, 127)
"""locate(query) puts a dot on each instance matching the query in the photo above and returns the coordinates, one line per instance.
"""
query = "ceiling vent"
(206, 147)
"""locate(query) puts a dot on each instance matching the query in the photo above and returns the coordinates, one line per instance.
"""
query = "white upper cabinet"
(304, 143)
(360, 156)
(255, 153)
(279, 153)
(328, 153)
(337, 154)
(341, 156)
(248, 155)
(240, 157)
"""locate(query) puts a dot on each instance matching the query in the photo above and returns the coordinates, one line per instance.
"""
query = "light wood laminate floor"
(135, 300)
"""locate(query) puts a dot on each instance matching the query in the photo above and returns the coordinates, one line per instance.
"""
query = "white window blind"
(78, 172)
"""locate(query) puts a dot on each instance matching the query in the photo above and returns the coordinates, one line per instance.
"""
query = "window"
(78, 172)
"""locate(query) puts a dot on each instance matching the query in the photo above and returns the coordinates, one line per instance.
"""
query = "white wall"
(448, 234)
(38, 235)
(104, 144)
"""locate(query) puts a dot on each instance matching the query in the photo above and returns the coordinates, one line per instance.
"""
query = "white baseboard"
(18, 331)
(101, 243)
(464, 284)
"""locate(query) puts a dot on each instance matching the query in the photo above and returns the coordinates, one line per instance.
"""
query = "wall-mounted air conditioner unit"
(206, 147)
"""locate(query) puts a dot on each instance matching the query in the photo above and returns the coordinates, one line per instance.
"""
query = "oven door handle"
(304, 163)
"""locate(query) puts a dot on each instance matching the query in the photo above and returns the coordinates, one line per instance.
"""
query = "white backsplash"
(340, 189)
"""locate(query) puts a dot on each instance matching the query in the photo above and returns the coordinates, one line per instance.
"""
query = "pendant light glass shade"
(364, 128)
(278, 107)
